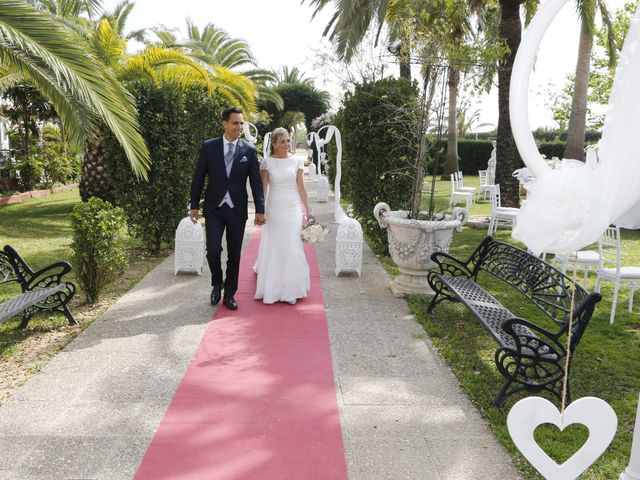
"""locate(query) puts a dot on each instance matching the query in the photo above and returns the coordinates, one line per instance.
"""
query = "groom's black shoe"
(216, 293)
(230, 303)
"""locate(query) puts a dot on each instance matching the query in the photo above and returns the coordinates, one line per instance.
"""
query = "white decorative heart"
(596, 414)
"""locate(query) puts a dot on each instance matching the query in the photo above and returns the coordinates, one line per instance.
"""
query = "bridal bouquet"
(313, 232)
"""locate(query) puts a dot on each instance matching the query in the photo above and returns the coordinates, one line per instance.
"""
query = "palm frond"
(31, 41)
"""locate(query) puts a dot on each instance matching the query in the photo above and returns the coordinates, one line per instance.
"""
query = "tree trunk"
(405, 63)
(507, 156)
(94, 181)
(574, 147)
(451, 164)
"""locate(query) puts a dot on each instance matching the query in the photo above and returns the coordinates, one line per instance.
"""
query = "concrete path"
(93, 410)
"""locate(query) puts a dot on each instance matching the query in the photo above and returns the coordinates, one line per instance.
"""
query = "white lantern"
(190, 247)
(322, 192)
(349, 246)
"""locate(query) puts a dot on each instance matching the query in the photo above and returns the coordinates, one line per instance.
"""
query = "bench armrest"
(450, 265)
(543, 343)
(50, 275)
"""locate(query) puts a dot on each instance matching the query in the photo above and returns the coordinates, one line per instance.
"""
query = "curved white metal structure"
(250, 132)
(569, 207)
(320, 144)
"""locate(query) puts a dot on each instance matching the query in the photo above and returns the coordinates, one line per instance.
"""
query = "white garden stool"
(349, 246)
(190, 247)
(322, 190)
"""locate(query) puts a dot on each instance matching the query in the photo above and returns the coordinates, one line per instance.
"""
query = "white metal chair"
(460, 185)
(486, 184)
(581, 261)
(458, 196)
(500, 213)
(613, 271)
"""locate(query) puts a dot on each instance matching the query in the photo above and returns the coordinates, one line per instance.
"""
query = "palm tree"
(216, 50)
(293, 75)
(38, 49)
(351, 21)
(574, 148)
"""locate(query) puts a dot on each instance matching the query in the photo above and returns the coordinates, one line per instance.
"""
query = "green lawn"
(443, 192)
(40, 230)
(606, 363)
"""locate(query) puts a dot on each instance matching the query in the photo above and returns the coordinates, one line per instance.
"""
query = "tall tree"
(107, 40)
(38, 49)
(587, 10)
(215, 49)
(351, 21)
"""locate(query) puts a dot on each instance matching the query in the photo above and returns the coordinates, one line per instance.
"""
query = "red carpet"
(258, 400)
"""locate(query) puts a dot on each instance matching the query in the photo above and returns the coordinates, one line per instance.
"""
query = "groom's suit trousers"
(225, 219)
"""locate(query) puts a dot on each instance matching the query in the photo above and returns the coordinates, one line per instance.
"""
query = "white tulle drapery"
(569, 207)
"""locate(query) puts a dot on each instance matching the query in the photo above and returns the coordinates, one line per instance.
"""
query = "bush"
(29, 172)
(552, 149)
(378, 130)
(174, 123)
(97, 245)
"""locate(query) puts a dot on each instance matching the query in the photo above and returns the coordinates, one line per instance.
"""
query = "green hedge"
(376, 123)
(475, 154)
(174, 123)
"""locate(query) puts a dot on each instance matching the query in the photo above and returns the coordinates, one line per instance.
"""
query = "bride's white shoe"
(292, 302)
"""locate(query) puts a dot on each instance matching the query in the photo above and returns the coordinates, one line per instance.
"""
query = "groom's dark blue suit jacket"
(211, 165)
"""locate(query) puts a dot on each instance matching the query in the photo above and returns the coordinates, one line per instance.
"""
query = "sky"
(282, 33)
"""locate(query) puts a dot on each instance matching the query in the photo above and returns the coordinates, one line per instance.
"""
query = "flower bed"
(19, 197)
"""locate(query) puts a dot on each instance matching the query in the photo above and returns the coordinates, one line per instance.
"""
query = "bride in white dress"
(283, 272)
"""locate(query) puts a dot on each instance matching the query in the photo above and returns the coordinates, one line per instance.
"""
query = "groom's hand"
(193, 215)
(260, 220)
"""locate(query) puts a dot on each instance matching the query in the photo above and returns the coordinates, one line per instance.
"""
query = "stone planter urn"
(411, 243)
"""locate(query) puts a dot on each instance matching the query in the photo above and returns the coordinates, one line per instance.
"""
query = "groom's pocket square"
(243, 159)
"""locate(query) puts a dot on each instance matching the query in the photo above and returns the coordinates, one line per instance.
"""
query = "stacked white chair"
(487, 183)
(612, 270)
(460, 185)
(581, 261)
(458, 196)
(500, 213)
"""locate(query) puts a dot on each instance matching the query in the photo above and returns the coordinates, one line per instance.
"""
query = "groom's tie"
(228, 158)
(228, 161)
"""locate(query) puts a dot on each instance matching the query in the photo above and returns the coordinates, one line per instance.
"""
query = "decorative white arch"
(332, 131)
(250, 132)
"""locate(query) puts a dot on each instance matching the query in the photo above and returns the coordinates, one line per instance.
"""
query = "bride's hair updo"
(276, 135)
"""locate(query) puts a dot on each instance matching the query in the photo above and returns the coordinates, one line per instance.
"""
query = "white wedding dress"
(283, 272)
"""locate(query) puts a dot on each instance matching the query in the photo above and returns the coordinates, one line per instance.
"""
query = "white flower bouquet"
(313, 232)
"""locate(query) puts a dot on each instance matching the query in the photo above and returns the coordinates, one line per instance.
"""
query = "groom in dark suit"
(227, 161)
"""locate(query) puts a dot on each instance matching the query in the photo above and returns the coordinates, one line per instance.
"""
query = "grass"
(40, 230)
(443, 192)
(605, 364)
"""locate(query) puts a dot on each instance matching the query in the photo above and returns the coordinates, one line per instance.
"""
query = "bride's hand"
(310, 216)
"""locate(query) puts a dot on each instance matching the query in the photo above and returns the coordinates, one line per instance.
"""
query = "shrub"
(97, 245)
(174, 123)
(29, 172)
(552, 149)
(377, 124)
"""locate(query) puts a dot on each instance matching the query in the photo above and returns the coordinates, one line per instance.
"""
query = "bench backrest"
(21, 270)
(7, 272)
(547, 287)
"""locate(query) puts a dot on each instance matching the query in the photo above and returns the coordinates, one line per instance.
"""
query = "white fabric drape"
(569, 208)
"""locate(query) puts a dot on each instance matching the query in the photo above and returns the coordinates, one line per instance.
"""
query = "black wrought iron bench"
(42, 291)
(529, 356)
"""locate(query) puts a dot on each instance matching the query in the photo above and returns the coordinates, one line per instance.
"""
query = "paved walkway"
(93, 410)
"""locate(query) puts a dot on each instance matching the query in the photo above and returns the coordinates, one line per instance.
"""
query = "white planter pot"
(411, 243)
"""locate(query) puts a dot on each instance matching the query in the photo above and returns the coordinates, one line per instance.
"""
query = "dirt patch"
(45, 337)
